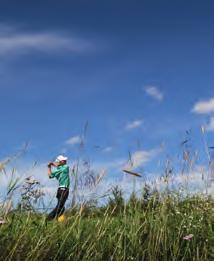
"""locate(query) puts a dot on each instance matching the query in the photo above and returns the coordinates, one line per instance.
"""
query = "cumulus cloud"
(204, 107)
(107, 149)
(197, 181)
(210, 125)
(74, 140)
(37, 172)
(113, 165)
(154, 92)
(134, 124)
(140, 158)
(16, 41)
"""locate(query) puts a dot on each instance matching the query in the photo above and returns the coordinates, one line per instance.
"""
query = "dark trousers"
(62, 195)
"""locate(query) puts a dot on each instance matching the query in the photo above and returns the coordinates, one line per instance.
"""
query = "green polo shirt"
(61, 173)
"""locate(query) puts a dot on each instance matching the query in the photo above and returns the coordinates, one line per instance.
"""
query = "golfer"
(60, 171)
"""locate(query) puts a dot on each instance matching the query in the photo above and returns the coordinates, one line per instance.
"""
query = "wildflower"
(189, 237)
(31, 181)
(2, 222)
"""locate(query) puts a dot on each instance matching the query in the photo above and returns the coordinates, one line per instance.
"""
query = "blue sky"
(139, 72)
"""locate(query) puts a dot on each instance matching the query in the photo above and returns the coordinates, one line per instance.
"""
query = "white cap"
(61, 158)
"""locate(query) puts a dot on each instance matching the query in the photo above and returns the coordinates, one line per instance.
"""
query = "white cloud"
(113, 165)
(134, 124)
(141, 157)
(107, 149)
(210, 125)
(204, 107)
(15, 41)
(194, 182)
(211, 189)
(154, 92)
(74, 140)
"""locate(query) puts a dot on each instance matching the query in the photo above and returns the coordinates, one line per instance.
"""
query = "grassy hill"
(147, 228)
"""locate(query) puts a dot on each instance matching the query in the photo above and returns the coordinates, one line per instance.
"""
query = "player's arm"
(49, 169)
(55, 172)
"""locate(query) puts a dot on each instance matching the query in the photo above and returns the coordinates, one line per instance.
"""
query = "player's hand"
(50, 164)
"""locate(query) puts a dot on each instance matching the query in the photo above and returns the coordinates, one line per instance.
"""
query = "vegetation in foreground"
(158, 225)
(149, 228)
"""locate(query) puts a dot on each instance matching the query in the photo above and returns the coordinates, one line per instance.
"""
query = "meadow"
(167, 225)
(146, 228)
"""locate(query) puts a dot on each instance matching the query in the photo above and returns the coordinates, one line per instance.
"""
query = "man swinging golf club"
(60, 171)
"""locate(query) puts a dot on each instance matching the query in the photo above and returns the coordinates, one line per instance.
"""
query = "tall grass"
(157, 225)
(151, 229)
